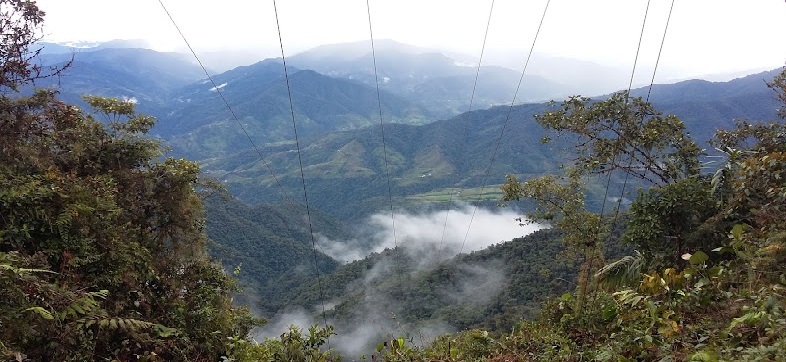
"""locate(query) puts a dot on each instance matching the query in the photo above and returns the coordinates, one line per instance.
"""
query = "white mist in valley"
(420, 232)
(427, 238)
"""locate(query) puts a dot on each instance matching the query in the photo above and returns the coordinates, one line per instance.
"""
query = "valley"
(383, 246)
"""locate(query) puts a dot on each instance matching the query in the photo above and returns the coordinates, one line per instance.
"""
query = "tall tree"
(102, 243)
(625, 134)
(21, 25)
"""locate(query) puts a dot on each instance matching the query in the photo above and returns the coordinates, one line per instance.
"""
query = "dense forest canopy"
(102, 244)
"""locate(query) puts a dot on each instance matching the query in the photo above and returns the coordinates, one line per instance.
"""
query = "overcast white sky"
(705, 36)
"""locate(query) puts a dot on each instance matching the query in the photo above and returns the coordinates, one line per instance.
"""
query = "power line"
(396, 254)
(660, 50)
(649, 91)
(253, 144)
(302, 174)
(382, 126)
(221, 94)
(614, 159)
(625, 107)
(504, 125)
(466, 123)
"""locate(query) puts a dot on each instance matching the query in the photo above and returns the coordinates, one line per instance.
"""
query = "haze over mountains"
(433, 148)
(434, 151)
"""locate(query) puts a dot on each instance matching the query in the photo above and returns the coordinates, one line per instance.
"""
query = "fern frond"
(124, 324)
(41, 311)
(85, 306)
(625, 271)
(20, 271)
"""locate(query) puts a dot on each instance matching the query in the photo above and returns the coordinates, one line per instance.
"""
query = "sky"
(704, 37)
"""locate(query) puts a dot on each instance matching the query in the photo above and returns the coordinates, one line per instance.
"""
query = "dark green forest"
(113, 247)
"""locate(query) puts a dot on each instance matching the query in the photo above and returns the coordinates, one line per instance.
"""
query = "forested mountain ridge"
(200, 125)
(144, 75)
(426, 77)
(708, 106)
(270, 245)
(197, 123)
(345, 169)
(426, 160)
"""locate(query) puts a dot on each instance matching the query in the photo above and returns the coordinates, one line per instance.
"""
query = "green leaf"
(698, 258)
(736, 231)
(42, 312)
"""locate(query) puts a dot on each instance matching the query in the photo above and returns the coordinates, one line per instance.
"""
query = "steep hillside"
(346, 174)
(500, 284)
(201, 126)
(707, 106)
(147, 76)
(345, 171)
(413, 292)
(269, 244)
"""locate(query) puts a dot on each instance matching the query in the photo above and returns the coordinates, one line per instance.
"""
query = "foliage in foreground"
(102, 246)
(708, 281)
(102, 242)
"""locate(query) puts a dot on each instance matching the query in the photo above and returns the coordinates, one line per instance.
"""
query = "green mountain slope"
(200, 125)
(271, 245)
(708, 106)
(426, 77)
(345, 171)
(408, 292)
(147, 76)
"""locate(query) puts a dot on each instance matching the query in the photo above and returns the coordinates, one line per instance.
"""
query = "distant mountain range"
(429, 78)
(146, 76)
(345, 170)
(433, 152)
(201, 126)
(337, 116)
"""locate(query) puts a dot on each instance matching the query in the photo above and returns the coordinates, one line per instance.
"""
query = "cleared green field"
(490, 192)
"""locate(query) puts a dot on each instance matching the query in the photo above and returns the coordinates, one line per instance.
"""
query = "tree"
(102, 243)
(107, 240)
(666, 222)
(751, 184)
(21, 23)
(625, 134)
(615, 134)
(560, 202)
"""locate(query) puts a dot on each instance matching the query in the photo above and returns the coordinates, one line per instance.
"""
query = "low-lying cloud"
(419, 232)
(426, 239)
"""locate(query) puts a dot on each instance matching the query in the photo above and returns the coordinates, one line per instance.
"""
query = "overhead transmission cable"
(302, 174)
(253, 144)
(649, 92)
(466, 123)
(231, 111)
(504, 126)
(382, 126)
(234, 115)
(624, 114)
(384, 147)
(625, 106)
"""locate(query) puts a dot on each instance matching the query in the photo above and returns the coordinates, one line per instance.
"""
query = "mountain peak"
(81, 45)
(357, 49)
